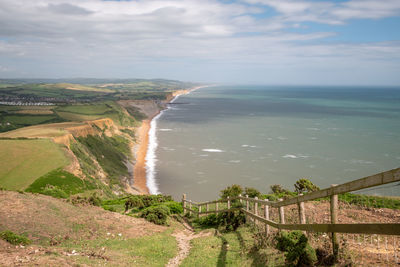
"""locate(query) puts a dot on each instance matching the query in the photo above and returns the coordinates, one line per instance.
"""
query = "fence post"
(190, 208)
(241, 200)
(266, 215)
(207, 207)
(281, 213)
(229, 203)
(184, 203)
(256, 206)
(334, 206)
(247, 207)
(302, 215)
(216, 207)
(198, 213)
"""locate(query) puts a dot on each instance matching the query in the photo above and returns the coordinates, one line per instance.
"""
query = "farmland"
(23, 161)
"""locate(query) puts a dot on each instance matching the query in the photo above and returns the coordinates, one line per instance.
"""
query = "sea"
(258, 136)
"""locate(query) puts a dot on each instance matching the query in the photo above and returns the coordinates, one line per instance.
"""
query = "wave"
(151, 157)
(212, 150)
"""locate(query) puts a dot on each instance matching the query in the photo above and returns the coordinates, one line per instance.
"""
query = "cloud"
(186, 39)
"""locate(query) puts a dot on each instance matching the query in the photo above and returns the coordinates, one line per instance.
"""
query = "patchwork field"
(23, 161)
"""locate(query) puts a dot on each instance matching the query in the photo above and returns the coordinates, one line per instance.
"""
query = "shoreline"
(143, 168)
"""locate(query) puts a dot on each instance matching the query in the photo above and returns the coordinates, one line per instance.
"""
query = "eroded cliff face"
(84, 163)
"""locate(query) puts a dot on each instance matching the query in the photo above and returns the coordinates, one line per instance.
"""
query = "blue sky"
(349, 42)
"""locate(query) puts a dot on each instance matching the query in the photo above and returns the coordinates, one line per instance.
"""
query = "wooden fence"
(333, 227)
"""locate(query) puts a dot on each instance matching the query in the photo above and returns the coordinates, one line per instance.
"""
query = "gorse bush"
(298, 251)
(305, 186)
(231, 220)
(14, 239)
(156, 214)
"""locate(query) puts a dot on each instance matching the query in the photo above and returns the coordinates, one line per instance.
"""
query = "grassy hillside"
(66, 235)
(23, 161)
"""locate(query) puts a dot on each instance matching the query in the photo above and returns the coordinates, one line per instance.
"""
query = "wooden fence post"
(190, 208)
(184, 203)
(334, 207)
(266, 215)
(207, 207)
(198, 213)
(255, 210)
(247, 206)
(302, 215)
(229, 203)
(216, 207)
(281, 213)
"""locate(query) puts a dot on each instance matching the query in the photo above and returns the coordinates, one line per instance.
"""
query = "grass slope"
(59, 181)
(98, 237)
(231, 249)
(23, 161)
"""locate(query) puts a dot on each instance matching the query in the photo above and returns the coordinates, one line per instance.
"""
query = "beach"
(144, 169)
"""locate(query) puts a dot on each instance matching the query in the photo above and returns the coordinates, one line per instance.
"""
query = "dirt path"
(183, 238)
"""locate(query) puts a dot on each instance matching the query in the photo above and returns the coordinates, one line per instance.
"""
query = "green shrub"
(156, 214)
(134, 202)
(298, 251)
(208, 221)
(174, 207)
(13, 238)
(231, 220)
(231, 191)
(252, 192)
(54, 191)
(305, 186)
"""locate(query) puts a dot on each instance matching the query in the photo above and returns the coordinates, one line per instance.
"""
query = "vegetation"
(14, 239)
(156, 214)
(59, 183)
(233, 248)
(23, 161)
(305, 186)
(108, 152)
(297, 250)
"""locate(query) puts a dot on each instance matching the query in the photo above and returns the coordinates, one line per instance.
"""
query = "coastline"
(143, 174)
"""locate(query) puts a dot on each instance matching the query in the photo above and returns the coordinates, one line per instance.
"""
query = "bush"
(298, 251)
(92, 200)
(230, 219)
(174, 207)
(231, 191)
(208, 221)
(54, 191)
(133, 202)
(252, 192)
(13, 238)
(305, 186)
(156, 214)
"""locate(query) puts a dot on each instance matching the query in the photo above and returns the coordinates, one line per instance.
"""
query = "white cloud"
(185, 39)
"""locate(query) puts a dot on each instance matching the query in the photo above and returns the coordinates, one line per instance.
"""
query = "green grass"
(13, 238)
(58, 181)
(231, 249)
(153, 250)
(94, 109)
(108, 155)
(23, 161)
(370, 201)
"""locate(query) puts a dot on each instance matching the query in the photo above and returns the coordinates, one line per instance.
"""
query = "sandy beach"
(139, 173)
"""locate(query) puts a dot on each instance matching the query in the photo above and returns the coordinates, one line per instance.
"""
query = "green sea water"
(257, 136)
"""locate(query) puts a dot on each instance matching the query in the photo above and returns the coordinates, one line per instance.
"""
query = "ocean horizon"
(258, 136)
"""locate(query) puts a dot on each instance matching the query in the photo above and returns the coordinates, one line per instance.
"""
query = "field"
(23, 161)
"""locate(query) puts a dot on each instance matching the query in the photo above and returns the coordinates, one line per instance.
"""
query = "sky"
(324, 42)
